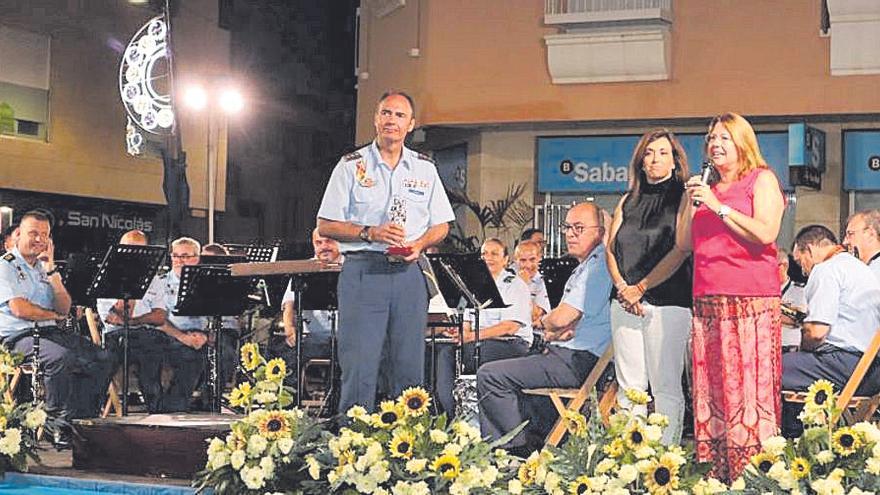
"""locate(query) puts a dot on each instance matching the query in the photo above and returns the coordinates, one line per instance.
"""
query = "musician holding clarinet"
(385, 204)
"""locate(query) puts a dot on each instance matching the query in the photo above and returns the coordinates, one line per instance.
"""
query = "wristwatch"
(364, 234)
(723, 211)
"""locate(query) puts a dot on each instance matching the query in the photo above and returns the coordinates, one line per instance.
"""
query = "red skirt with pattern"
(737, 373)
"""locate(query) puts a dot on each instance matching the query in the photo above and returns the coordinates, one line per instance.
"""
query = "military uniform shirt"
(19, 279)
(515, 293)
(538, 291)
(154, 298)
(172, 283)
(363, 189)
(588, 290)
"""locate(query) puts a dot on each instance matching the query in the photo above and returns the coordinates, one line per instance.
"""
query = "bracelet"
(641, 287)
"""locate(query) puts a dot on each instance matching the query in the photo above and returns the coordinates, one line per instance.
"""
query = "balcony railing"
(603, 11)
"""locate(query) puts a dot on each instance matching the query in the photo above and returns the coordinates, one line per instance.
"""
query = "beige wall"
(484, 61)
(85, 153)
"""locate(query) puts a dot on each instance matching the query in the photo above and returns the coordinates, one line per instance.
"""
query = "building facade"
(551, 95)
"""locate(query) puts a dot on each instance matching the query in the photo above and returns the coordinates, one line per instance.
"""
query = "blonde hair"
(744, 139)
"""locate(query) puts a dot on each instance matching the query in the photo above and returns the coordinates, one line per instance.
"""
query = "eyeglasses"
(577, 228)
(850, 233)
(184, 256)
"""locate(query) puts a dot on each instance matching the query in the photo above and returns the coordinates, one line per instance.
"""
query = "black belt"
(364, 254)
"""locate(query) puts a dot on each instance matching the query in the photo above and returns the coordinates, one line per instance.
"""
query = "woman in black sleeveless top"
(651, 319)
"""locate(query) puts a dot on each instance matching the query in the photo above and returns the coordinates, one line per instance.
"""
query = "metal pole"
(211, 173)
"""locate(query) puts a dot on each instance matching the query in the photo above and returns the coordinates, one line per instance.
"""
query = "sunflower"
(389, 414)
(800, 467)
(763, 461)
(250, 356)
(575, 422)
(241, 395)
(447, 465)
(415, 401)
(276, 370)
(845, 441)
(528, 471)
(638, 397)
(635, 436)
(661, 476)
(819, 393)
(401, 445)
(274, 425)
(582, 484)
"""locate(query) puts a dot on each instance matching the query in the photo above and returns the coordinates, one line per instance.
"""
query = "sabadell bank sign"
(600, 164)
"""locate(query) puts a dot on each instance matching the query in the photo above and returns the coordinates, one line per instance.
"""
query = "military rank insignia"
(361, 175)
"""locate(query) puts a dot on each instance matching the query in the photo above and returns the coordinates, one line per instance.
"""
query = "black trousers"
(500, 385)
(490, 350)
(76, 372)
(800, 369)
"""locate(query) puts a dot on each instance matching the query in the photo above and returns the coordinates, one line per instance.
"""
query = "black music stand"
(126, 273)
(210, 290)
(556, 272)
(316, 292)
(465, 282)
(221, 259)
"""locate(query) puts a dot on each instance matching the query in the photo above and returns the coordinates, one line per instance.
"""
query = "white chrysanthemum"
(10, 444)
(869, 431)
(653, 433)
(824, 456)
(489, 476)
(35, 418)
(658, 419)
(284, 445)
(644, 452)
(253, 477)
(216, 445)
(268, 467)
(738, 484)
(405, 488)
(774, 445)
(265, 397)
(416, 466)
(627, 473)
(314, 467)
(551, 482)
(218, 459)
(256, 445)
(237, 459)
(514, 487)
(452, 449)
(605, 465)
(439, 436)
(358, 413)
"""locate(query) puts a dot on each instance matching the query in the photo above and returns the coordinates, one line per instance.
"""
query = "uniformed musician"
(527, 258)
(75, 371)
(146, 341)
(383, 196)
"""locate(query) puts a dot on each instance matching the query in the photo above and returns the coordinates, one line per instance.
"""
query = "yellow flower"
(241, 395)
(415, 401)
(575, 422)
(447, 465)
(582, 484)
(276, 370)
(615, 448)
(345, 458)
(764, 461)
(274, 425)
(528, 470)
(401, 445)
(845, 441)
(389, 414)
(800, 467)
(635, 436)
(820, 394)
(638, 397)
(661, 476)
(250, 356)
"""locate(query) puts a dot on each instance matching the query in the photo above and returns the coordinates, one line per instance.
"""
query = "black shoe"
(62, 439)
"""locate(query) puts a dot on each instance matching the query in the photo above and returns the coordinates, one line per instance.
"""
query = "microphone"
(704, 177)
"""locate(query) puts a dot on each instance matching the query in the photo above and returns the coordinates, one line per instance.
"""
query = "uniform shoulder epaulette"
(510, 275)
(427, 158)
(354, 155)
(9, 257)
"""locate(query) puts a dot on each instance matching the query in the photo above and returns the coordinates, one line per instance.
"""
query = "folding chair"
(578, 396)
(112, 402)
(853, 408)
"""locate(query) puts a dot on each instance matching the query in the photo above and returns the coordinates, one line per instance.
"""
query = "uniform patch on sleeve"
(9, 257)
(427, 158)
(354, 155)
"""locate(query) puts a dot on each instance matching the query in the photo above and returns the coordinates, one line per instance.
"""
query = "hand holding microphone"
(704, 178)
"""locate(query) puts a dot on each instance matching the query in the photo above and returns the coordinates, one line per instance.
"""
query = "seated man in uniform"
(185, 347)
(578, 330)
(863, 238)
(317, 324)
(145, 339)
(75, 371)
(504, 333)
(843, 312)
(527, 257)
(793, 302)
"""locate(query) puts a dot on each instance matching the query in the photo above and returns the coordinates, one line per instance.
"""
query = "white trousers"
(650, 350)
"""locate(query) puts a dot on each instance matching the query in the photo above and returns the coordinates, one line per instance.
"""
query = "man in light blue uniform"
(843, 313)
(146, 340)
(383, 196)
(76, 372)
(316, 338)
(185, 346)
(579, 330)
(863, 235)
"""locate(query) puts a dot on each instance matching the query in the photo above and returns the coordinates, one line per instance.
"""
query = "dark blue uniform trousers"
(382, 306)
(500, 385)
(75, 372)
